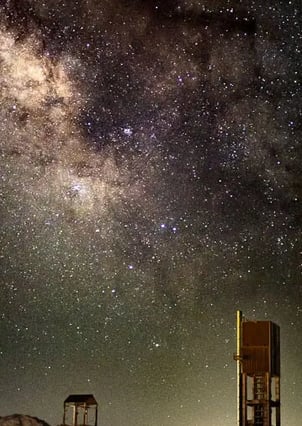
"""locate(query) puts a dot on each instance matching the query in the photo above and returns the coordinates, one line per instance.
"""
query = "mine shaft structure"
(258, 373)
(77, 410)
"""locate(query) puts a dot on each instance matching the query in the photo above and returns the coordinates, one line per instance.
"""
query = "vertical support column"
(277, 392)
(85, 415)
(243, 411)
(268, 399)
(75, 415)
(239, 378)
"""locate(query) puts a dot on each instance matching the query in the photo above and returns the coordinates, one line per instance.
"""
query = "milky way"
(150, 186)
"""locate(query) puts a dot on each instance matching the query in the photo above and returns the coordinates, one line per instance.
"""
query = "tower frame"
(258, 373)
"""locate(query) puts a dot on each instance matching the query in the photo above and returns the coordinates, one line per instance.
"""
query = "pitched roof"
(88, 399)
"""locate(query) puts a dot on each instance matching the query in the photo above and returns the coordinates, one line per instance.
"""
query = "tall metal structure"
(258, 373)
(76, 410)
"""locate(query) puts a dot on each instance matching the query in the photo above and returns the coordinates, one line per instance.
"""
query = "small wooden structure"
(258, 372)
(79, 405)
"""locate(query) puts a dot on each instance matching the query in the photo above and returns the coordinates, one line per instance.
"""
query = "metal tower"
(258, 373)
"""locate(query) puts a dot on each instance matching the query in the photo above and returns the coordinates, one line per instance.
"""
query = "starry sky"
(151, 185)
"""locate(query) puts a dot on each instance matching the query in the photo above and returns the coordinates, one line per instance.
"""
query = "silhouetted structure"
(76, 405)
(258, 371)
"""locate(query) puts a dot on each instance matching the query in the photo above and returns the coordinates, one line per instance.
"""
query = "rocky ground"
(21, 420)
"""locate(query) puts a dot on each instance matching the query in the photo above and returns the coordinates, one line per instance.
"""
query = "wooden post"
(239, 378)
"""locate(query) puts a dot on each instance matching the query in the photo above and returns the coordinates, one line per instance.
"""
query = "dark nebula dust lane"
(150, 186)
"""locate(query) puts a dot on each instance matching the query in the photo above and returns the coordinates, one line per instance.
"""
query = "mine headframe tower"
(258, 373)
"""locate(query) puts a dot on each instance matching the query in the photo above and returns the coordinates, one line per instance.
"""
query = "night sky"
(151, 185)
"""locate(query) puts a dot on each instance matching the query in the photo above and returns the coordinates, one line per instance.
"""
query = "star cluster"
(150, 186)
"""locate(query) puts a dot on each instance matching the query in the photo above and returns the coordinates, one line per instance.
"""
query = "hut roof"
(87, 399)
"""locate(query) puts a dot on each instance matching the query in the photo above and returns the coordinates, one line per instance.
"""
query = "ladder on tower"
(261, 406)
